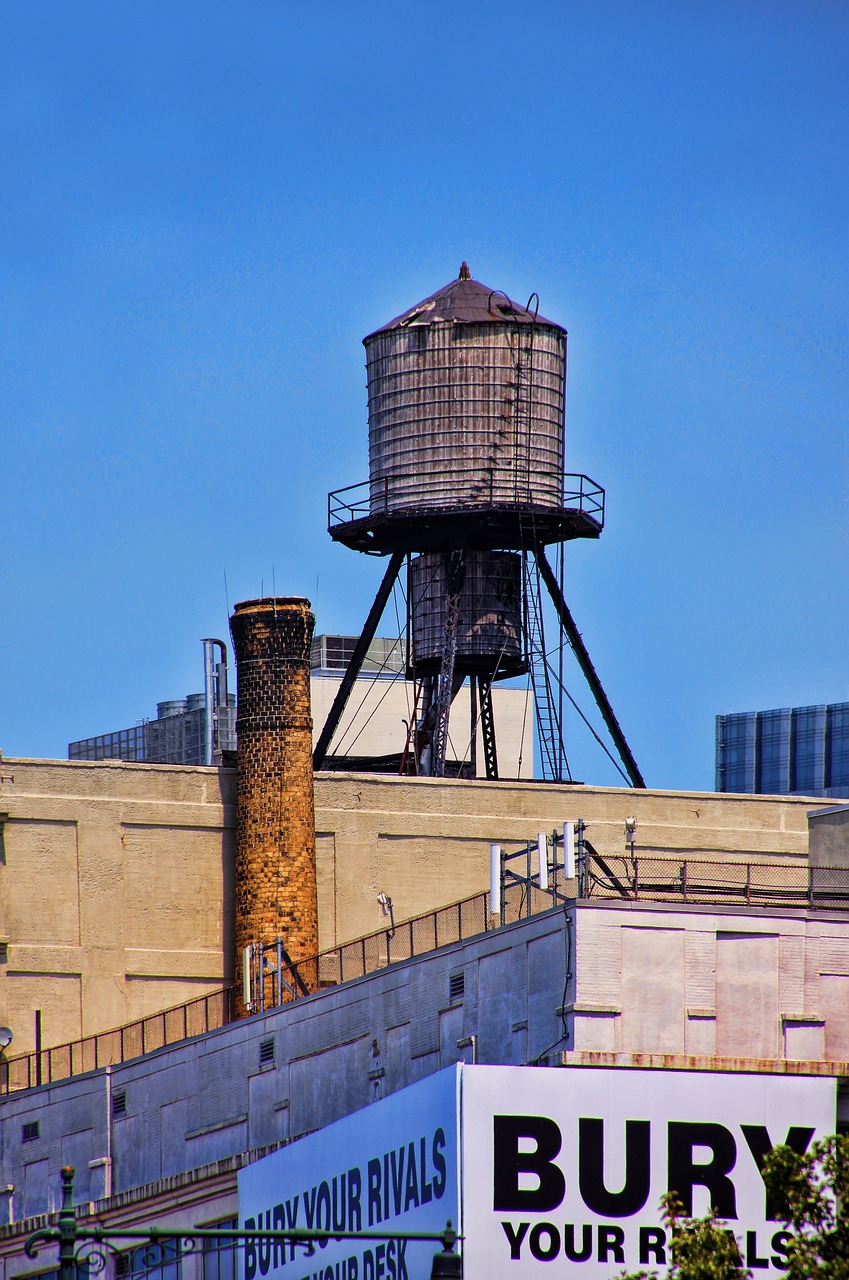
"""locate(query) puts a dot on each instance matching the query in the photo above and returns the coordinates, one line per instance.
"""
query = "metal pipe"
(212, 699)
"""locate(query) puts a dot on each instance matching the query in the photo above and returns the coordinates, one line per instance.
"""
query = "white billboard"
(567, 1165)
(535, 1165)
(394, 1167)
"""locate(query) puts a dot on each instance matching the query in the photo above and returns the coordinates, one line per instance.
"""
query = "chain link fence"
(740, 884)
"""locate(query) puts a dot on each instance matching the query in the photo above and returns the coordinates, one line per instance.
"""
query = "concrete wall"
(374, 722)
(728, 983)
(597, 978)
(829, 836)
(116, 880)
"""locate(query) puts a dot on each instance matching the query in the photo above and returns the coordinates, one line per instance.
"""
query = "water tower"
(467, 484)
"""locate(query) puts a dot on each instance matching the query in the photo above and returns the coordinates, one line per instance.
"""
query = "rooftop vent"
(266, 1052)
(456, 986)
(30, 1131)
(119, 1103)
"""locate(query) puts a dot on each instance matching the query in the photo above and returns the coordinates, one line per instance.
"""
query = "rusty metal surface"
(466, 301)
(688, 1062)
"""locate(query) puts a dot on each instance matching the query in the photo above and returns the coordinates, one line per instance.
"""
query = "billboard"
(392, 1166)
(567, 1165)
(535, 1165)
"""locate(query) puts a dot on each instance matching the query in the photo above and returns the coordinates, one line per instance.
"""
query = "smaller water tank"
(175, 707)
(489, 631)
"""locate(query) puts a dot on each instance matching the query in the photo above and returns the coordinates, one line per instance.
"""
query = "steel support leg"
(585, 663)
(490, 753)
(368, 634)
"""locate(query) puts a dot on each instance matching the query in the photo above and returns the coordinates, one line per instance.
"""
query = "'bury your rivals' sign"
(567, 1165)
(392, 1166)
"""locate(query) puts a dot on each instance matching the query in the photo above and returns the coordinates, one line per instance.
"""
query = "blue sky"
(204, 207)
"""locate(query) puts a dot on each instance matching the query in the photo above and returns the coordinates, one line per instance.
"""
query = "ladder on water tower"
(553, 762)
(454, 572)
(523, 408)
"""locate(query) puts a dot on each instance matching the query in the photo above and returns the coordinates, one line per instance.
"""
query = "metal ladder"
(523, 407)
(555, 767)
(454, 567)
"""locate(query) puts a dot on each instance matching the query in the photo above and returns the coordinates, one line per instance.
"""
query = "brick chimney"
(275, 832)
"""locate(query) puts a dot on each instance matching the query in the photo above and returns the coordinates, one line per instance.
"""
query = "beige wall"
(116, 885)
(732, 984)
(374, 722)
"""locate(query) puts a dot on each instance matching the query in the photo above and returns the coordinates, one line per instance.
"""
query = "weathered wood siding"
(465, 414)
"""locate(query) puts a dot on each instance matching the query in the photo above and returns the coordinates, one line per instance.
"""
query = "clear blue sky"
(205, 206)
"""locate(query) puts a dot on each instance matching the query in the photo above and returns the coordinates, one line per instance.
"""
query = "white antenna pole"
(495, 879)
(542, 855)
(569, 850)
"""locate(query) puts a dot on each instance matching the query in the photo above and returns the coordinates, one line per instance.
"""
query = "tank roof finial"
(465, 273)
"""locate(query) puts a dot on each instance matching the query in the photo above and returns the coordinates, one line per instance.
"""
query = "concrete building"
(791, 751)
(602, 982)
(372, 735)
(129, 879)
(117, 880)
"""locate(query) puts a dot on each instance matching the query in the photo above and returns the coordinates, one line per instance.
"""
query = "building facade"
(597, 985)
(789, 751)
(372, 735)
(117, 880)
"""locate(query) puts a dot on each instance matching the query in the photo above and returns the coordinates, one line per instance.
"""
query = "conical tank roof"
(465, 301)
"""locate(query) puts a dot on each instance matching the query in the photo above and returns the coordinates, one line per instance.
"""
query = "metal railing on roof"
(625, 878)
(397, 494)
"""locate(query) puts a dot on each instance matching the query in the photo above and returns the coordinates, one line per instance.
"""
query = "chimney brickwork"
(275, 843)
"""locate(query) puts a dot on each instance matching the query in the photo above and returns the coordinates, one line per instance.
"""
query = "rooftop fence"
(626, 878)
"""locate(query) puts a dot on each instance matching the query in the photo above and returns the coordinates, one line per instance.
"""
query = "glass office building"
(792, 751)
(176, 736)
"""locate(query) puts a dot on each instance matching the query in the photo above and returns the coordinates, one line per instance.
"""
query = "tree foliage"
(699, 1248)
(811, 1195)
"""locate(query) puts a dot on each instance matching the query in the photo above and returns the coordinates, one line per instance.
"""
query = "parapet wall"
(117, 884)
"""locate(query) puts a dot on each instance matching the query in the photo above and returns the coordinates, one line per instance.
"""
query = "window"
(806, 752)
(219, 1256)
(735, 753)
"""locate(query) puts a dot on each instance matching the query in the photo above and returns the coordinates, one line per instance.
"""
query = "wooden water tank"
(466, 395)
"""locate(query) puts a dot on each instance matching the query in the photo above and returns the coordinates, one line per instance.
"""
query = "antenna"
(542, 859)
(495, 879)
(569, 850)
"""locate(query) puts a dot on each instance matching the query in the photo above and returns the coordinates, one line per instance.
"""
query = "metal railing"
(399, 494)
(627, 878)
(108, 1048)
(730, 883)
